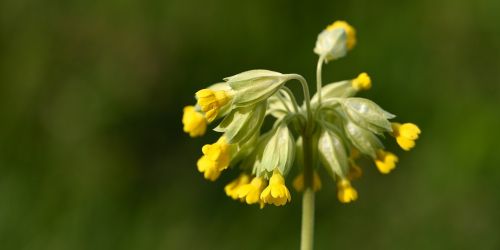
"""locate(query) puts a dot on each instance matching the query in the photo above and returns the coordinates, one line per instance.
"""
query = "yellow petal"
(362, 82)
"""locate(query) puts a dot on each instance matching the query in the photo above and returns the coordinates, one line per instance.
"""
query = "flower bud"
(254, 86)
(335, 40)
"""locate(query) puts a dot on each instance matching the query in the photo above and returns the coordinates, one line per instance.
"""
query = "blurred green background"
(92, 153)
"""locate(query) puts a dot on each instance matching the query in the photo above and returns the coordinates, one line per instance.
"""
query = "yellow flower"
(362, 82)
(212, 101)
(386, 161)
(276, 192)
(405, 134)
(208, 168)
(216, 157)
(298, 182)
(346, 193)
(231, 189)
(250, 193)
(349, 30)
(194, 122)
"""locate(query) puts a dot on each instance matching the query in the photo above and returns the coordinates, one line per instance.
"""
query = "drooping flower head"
(332, 130)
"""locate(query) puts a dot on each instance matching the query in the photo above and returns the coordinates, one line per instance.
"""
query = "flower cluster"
(331, 130)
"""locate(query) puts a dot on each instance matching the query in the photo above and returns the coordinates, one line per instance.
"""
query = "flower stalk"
(307, 230)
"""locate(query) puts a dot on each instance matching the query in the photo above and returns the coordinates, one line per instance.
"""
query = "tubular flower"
(386, 161)
(405, 134)
(346, 193)
(250, 193)
(211, 101)
(194, 122)
(362, 82)
(216, 157)
(298, 182)
(349, 30)
(232, 188)
(276, 192)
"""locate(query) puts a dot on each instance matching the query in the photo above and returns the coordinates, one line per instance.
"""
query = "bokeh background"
(92, 153)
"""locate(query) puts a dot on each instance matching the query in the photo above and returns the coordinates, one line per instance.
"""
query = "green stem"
(292, 98)
(307, 100)
(318, 77)
(307, 232)
(280, 96)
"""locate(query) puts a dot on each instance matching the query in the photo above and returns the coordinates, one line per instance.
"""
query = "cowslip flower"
(405, 134)
(194, 122)
(331, 130)
(212, 101)
(215, 158)
(346, 193)
(232, 188)
(362, 82)
(385, 161)
(276, 193)
(251, 192)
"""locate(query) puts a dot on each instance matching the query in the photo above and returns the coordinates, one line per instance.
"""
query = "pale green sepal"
(242, 123)
(331, 44)
(251, 74)
(332, 153)
(279, 105)
(278, 153)
(254, 86)
(335, 90)
(367, 114)
(244, 149)
(364, 140)
(252, 160)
